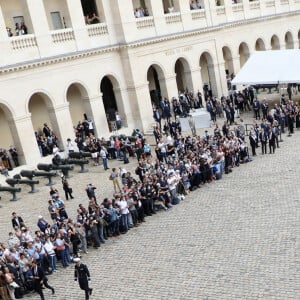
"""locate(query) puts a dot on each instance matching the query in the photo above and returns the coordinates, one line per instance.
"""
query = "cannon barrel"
(49, 175)
(44, 167)
(12, 190)
(64, 168)
(79, 155)
(13, 181)
(80, 162)
(27, 173)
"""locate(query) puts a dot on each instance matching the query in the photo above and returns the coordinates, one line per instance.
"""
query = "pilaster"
(236, 64)
(246, 7)
(209, 7)
(196, 80)
(25, 143)
(38, 18)
(62, 124)
(78, 23)
(141, 106)
(4, 40)
(95, 110)
(171, 86)
(228, 10)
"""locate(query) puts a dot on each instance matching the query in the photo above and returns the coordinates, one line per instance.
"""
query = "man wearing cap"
(82, 274)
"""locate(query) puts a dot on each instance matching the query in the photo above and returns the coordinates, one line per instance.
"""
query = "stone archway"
(244, 53)
(157, 84)
(289, 42)
(112, 99)
(275, 43)
(9, 135)
(183, 75)
(42, 112)
(227, 56)
(260, 45)
(208, 75)
(79, 105)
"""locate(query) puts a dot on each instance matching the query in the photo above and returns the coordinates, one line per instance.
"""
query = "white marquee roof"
(270, 67)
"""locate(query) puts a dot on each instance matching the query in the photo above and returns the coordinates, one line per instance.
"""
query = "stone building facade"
(95, 57)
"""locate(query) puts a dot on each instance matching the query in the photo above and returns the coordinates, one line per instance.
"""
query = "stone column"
(228, 10)
(209, 7)
(62, 124)
(141, 106)
(217, 78)
(78, 24)
(197, 82)
(246, 6)
(39, 22)
(25, 140)
(94, 109)
(124, 108)
(236, 64)
(171, 86)
(4, 40)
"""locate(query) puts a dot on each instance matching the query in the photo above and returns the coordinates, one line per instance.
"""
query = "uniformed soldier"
(82, 274)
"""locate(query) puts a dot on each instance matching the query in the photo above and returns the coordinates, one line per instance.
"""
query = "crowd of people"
(141, 12)
(195, 4)
(177, 165)
(6, 159)
(20, 29)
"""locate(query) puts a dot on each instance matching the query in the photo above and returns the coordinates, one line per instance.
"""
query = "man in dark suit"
(271, 141)
(40, 279)
(253, 142)
(17, 221)
(82, 274)
(263, 137)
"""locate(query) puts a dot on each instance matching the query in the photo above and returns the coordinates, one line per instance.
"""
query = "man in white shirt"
(123, 206)
(103, 155)
(163, 150)
(172, 183)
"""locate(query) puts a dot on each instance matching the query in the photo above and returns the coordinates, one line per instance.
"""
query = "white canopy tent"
(270, 67)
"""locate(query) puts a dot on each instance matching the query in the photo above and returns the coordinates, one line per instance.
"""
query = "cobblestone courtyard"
(237, 238)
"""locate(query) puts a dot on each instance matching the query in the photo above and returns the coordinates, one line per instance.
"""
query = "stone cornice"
(141, 43)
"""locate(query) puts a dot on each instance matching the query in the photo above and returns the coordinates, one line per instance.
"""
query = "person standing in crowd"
(17, 221)
(118, 120)
(40, 279)
(263, 136)
(70, 146)
(103, 155)
(253, 142)
(114, 178)
(46, 130)
(14, 154)
(82, 275)
(66, 187)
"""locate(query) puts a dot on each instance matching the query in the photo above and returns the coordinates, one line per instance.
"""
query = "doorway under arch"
(275, 43)
(208, 75)
(112, 99)
(244, 53)
(227, 56)
(289, 42)
(260, 45)
(157, 85)
(183, 75)
(9, 135)
(79, 107)
(42, 112)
